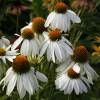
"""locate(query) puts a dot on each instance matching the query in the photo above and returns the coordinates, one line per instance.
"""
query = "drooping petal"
(84, 88)
(25, 48)
(34, 48)
(49, 56)
(20, 87)
(68, 49)
(52, 51)
(44, 48)
(73, 17)
(89, 69)
(17, 43)
(41, 77)
(58, 52)
(65, 84)
(27, 84)
(9, 58)
(76, 87)
(11, 84)
(49, 19)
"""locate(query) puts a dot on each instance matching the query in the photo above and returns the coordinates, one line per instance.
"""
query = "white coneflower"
(56, 46)
(71, 80)
(7, 54)
(80, 57)
(22, 75)
(4, 42)
(61, 18)
(29, 44)
(38, 28)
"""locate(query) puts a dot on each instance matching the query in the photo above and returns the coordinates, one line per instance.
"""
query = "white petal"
(91, 74)
(43, 50)
(9, 58)
(11, 84)
(52, 51)
(79, 85)
(69, 50)
(84, 88)
(34, 47)
(27, 84)
(17, 43)
(58, 52)
(49, 19)
(86, 81)
(65, 84)
(94, 75)
(35, 82)
(76, 87)
(68, 24)
(70, 87)
(25, 47)
(8, 47)
(45, 34)
(74, 18)
(41, 77)
(20, 87)
(60, 81)
(67, 41)
(55, 21)
(8, 77)
(49, 56)
(66, 91)
(11, 53)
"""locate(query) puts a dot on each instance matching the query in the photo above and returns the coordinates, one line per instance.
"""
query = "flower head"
(55, 34)
(35, 60)
(73, 72)
(80, 54)
(21, 64)
(28, 42)
(27, 33)
(80, 58)
(38, 25)
(61, 18)
(56, 46)
(23, 76)
(71, 80)
(61, 7)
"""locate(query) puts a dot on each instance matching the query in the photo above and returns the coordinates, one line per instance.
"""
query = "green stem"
(68, 97)
(29, 97)
(37, 96)
(81, 12)
(78, 35)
